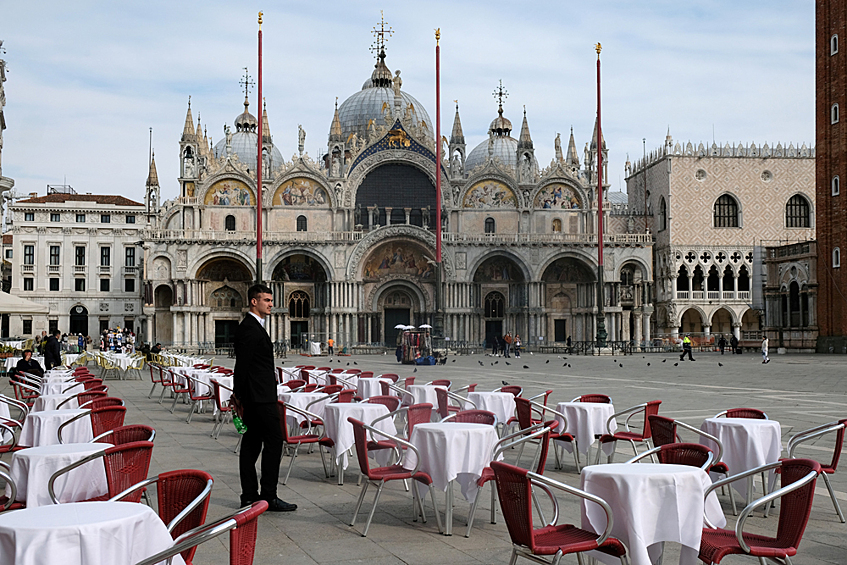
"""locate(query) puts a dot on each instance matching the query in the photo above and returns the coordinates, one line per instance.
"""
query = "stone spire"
(266, 128)
(152, 175)
(594, 137)
(457, 137)
(525, 140)
(188, 130)
(199, 129)
(572, 158)
(335, 133)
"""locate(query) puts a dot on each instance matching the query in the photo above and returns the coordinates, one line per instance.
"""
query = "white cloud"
(86, 80)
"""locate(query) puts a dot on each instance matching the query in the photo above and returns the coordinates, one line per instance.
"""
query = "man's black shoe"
(278, 505)
(248, 500)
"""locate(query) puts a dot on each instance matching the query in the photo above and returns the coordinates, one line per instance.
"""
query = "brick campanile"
(831, 172)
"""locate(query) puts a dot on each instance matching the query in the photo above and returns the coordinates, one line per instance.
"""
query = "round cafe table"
(83, 533)
(51, 386)
(373, 387)
(301, 400)
(586, 420)
(52, 401)
(651, 504)
(421, 394)
(41, 428)
(33, 467)
(502, 404)
(340, 431)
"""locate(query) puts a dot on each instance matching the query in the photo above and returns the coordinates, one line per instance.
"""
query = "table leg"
(448, 511)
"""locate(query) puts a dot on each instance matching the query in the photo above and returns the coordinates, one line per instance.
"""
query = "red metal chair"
(472, 417)
(511, 389)
(751, 413)
(648, 408)
(127, 434)
(305, 438)
(441, 382)
(514, 489)
(182, 500)
(303, 374)
(444, 406)
(408, 381)
(295, 384)
(798, 477)
(392, 376)
(380, 475)
(125, 466)
(102, 402)
(224, 408)
(826, 468)
(539, 432)
(691, 454)
(167, 382)
(155, 376)
(346, 395)
(242, 527)
(598, 398)
(102, 420)
(390, 402)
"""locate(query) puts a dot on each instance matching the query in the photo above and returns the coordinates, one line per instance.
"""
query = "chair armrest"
(72, 386)
(808, 435)
(536, 478)
(738, 476)
(13, 489)
(310, 416)
(537, 396)
(528, 434)
(631, 411)
(207, 490)
(460, 398)
(766, 500)
(66, 423)
(68, 399)
(322, 399)
(399, 442)
(70, 468)
(701, 433)
(7, 429)
(15, 403)
(191, 539)
(543, 409)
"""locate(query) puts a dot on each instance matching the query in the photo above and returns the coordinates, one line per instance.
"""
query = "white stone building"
(80, 254)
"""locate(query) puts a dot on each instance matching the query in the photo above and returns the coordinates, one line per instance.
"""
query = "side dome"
(505, 149)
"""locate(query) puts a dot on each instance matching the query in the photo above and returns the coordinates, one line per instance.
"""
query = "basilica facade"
(349, 237)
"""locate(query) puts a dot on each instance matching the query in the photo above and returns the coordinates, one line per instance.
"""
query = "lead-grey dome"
(367, 104)
(245, 145)
(505, 149)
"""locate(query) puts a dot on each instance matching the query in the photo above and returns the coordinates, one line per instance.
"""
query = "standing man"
(255, 393)
(330, 345)
(52, 351)
(722, 343)
(733, 344)
(686, 348)
(508, 344)
(765, 358)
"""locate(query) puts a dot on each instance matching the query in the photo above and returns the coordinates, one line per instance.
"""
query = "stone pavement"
(800, 391)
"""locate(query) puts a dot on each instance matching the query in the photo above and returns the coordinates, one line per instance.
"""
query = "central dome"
(372, 102)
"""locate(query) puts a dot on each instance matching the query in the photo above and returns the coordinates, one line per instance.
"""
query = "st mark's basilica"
(349, 238)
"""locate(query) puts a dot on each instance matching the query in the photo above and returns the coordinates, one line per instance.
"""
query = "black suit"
(52, 353)
(255, 386)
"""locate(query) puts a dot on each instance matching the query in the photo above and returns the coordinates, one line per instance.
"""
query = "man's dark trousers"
(263, 431)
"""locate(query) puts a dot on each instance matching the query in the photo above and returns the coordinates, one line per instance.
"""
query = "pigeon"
(504, 383)
(355, 363)
(497, 362)
(675, 364)
(481, 364)
(664, 360)
(416, 370)
(452, 360)
(720, 364)
(526, 366)
(492, 364)
(648, 364)
(643, 357)
(507, 363)
(348, 364)
(546, 361)
(564, 358)
(569, 365)
(620, 365)
(614, 360)
(565, 365)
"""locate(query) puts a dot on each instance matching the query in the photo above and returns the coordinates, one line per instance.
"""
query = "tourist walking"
(765, 358)
(507, 341)
(52, 351)
(686, 348)
(733, 343)
(722, 343)
(518, 344)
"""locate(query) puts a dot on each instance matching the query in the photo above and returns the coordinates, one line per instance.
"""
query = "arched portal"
(79, 320)
(227, 300)
(299, 282)
(722, 323)
(299, 309)
(163, 299)
(565, 279)
(398, 306)
(499, 282)
(692, 322)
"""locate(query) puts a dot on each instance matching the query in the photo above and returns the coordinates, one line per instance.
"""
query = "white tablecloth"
(33, 467)
(70, 358)
(585, 420)
(341, 431)
(52, 401)
(17, 344)
(501, 403)
(371, 387)
(651, 503)
(300, 400)
(747, 444)
(51, 386)
(83, 533)
(351, 380)
(318, 377)
(420, 394)
(290, 374)
(40, 428)
(11, 362)
(452, 450)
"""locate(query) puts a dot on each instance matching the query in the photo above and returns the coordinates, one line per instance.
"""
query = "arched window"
(836, 185)
(663, 214)
(301, 223)
(836, 257)
(226, 298)
(298, 304)
(494, 305)
(489, 225)
(833, 44)
(557, 226)
(726, 212)
(229, 223)
(797, 213)
(833, 114)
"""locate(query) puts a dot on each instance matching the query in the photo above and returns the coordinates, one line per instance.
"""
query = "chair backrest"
(84, 397)
(360, 438)
(408, 381)
(418, 414)
(242, 539)
(354, 371)
(295, 383)
(332, 389)
(155, 373)
(649, 410)
(127, 434)
(98, 388)
(691, 454)
(795, 507)
(662, 429)
(515, 492)
(442, 382)
(325, 369)
(303, 374)
(443, 402)
(392, 376)
(336, 371)
(366, 374)
(751, 413)
(523, 410)
(175, 490)
(91, 383)
(126, 465)
(475, 417)
(310, 387)
(386, 388)
(839, 442)
(598, 398)
(103, 402)
(108, 418)
(512, 389)
(390, 402)
(346, 395)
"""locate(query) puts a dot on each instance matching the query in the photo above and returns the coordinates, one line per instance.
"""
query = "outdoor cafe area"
(411, 456)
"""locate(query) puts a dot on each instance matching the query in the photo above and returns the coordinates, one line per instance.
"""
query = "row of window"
(79, 285)
(79, 255)
(80, 218)
(798, 212)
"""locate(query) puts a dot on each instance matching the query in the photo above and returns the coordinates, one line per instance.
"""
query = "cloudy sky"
(86, 80)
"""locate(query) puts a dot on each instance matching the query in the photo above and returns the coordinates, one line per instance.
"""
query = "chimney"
(33, 194)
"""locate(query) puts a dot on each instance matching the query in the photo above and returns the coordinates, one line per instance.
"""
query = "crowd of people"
(506, 345)
(117, 340)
